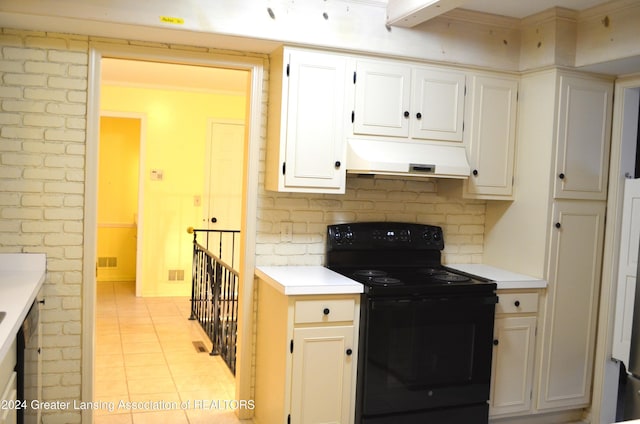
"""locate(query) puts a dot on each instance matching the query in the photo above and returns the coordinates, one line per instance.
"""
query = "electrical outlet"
(286, 231)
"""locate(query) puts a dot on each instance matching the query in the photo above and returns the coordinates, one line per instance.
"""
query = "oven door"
(425, 353)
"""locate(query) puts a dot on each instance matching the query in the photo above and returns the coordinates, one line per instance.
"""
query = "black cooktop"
(415, 281)
(392, 258)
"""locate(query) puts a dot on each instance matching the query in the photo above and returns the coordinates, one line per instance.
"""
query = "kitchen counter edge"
(307, 280)
(505, 280)
(21, 277)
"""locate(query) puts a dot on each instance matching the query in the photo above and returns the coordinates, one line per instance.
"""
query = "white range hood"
(408, 158)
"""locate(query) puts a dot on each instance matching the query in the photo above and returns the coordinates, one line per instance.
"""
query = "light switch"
(156, 175)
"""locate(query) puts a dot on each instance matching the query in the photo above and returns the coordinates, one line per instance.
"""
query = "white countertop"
(304, 280)
(21, 277)
(505, 280)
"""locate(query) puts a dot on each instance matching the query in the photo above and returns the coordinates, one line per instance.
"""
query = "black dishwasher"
(27, 367)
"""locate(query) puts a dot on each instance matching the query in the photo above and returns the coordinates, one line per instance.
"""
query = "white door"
(222, 198)
(627, 268)
(223, 176)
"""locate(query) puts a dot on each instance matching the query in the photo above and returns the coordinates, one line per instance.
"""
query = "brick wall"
(366, 199)
(43, 94)
(43, 119)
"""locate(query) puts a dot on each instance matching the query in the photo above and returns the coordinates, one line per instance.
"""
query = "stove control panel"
(384, 235)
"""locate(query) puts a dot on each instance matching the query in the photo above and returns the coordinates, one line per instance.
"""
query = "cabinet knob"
(406, 114)
(475, 172)
(561, 176)
(495, 342)
(558, 225)
(337, 164)
(349, 352)
(326, 311)
(214, 220)
(517, 303)
(418, 115)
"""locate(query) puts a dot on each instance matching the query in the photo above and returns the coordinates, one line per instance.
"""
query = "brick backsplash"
(366, 199)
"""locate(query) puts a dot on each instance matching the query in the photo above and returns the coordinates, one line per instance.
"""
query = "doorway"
(118, 186)
(251, 71)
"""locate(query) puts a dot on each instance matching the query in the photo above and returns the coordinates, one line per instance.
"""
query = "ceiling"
(173, 76)
(201, 78)
(524, 8)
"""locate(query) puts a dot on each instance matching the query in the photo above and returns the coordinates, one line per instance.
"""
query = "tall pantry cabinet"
(564, 124)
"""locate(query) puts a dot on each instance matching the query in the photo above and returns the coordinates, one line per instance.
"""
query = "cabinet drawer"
(514, 303)
(307, 311)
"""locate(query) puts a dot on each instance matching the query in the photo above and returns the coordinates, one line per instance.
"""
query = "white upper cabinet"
(583, 138)
(382, 99)
(394, 99)
(437, 105)
(490, 136)
(305, 149)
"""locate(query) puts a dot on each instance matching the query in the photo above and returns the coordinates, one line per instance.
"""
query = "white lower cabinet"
(306, 355)
(321, 374)
(514, 353)
(8, 387)
(569, 330)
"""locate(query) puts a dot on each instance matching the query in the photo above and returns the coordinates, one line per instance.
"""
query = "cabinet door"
(584, 133)
(315, 122)
(512, 369)
(322, 374)
(571, 305)
(490, 139)
(9, 395)
(437, 105)
(382, 99)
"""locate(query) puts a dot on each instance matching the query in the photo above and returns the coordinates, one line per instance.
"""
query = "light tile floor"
(145, 355)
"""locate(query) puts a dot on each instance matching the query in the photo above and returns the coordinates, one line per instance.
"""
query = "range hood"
(408, 158)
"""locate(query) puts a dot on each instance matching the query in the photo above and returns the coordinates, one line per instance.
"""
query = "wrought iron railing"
(214, 291)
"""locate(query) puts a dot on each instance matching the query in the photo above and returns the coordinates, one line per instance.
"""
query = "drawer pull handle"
(326, 311)
(517, 303)
(349, 352)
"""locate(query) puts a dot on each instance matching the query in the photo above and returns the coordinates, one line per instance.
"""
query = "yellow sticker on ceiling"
(171, 20)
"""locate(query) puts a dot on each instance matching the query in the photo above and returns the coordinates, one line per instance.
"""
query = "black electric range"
(426, 331)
